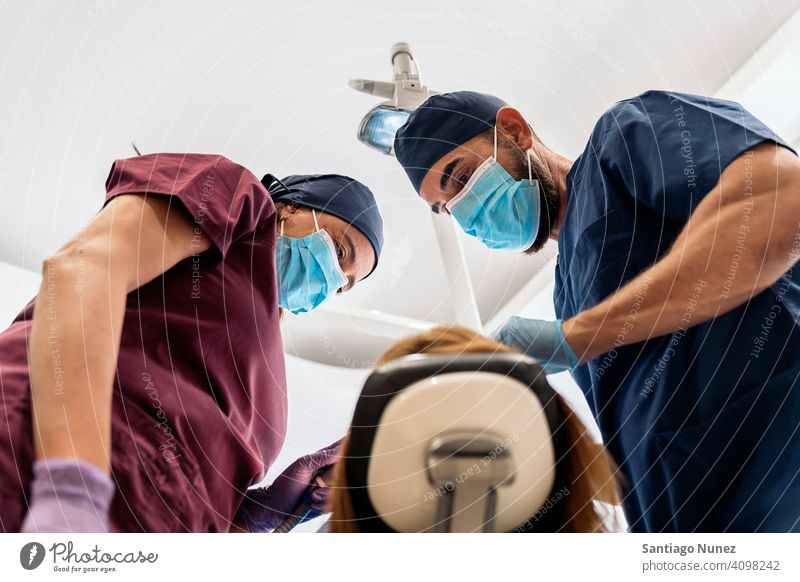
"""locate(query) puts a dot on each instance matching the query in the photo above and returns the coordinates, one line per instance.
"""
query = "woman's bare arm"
(77, 321)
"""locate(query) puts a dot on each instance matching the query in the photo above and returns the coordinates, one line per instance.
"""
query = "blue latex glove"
(265, 508)
(542, 340)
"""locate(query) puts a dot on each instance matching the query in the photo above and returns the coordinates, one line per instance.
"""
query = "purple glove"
(68, 495)
(264, 509)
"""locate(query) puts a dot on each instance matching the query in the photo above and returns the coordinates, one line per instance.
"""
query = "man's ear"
(513, 126)
(285, 210)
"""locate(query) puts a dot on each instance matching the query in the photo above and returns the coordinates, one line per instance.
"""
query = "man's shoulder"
(655, 103)
(643, 117)
(613, 122)
(635, 110)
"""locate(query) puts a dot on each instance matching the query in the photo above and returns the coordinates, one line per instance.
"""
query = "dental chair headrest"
(471, 442)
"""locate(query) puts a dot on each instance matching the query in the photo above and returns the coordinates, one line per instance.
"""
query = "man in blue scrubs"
(678, 229)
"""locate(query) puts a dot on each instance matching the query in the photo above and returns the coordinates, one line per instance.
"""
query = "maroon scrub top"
(199, 407)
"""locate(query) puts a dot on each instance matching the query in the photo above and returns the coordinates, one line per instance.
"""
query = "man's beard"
(548, 195)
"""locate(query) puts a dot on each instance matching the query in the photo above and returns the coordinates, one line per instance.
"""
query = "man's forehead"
(468, 151)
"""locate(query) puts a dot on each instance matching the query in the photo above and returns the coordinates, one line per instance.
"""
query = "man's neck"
(558, 166)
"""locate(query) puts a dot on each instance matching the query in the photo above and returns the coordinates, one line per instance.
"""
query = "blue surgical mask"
(501, 212)
(308, 270)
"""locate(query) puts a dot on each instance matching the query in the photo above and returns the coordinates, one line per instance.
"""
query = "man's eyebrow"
(448, 169)
(351, 249)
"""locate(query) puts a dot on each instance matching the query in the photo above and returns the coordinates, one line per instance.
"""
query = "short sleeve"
(669, 149)
(225, 200)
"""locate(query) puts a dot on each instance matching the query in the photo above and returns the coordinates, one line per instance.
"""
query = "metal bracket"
(466, 471)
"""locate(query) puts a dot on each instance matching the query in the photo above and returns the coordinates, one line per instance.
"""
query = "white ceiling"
(266, 85)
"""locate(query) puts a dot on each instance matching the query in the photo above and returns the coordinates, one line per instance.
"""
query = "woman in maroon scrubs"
(143, 389)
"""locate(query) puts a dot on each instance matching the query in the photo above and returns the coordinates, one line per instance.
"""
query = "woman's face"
(353, 249)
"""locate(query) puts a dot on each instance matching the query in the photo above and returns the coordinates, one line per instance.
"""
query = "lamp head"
(404, 94)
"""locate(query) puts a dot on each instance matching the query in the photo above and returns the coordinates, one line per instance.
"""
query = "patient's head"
(587, 486)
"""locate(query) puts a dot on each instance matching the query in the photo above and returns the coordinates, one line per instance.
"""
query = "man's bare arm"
(739, 240)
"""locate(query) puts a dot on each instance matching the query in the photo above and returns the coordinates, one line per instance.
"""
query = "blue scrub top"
(704, 423)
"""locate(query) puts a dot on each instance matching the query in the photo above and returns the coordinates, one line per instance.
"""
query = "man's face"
(447, 177)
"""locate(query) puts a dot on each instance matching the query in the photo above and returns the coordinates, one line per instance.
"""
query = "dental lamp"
(405, 93)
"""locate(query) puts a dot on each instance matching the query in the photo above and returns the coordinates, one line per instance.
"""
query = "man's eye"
(339, 251)
(463, 179)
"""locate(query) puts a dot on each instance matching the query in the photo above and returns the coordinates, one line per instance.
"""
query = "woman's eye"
(339, 251)
(463, 179)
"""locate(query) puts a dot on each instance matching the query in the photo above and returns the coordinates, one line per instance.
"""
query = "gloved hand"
(68, 495)
(265, 508)
(542, 340)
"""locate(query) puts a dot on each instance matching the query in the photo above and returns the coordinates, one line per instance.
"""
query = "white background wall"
(17, 287)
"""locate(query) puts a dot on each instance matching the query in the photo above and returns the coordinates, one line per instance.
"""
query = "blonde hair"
(590, 470)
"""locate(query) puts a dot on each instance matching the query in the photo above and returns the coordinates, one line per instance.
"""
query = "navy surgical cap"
(333, 194)
(439, 125)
